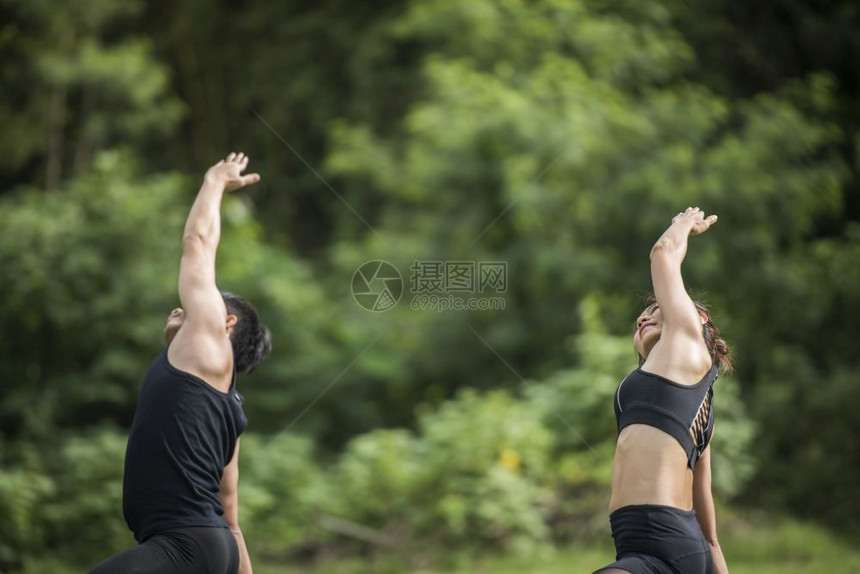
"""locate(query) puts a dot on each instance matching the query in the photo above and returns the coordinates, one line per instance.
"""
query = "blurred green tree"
(561, 138)
(79, 82)
(558, 137)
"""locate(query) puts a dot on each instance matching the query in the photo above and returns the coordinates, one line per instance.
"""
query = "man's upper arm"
(229, 491)
(198, 292)
(202, 345)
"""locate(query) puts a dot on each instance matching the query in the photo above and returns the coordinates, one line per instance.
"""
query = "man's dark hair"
(251, 340)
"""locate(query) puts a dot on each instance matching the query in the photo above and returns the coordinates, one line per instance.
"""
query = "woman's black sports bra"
(683, 411)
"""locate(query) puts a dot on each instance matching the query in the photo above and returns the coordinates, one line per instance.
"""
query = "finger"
(231, 157)
(250, 179)
(239, 157)
(244, 163)
(220, 162)
(712, 219)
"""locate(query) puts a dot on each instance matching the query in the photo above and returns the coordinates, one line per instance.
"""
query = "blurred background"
(556, 136)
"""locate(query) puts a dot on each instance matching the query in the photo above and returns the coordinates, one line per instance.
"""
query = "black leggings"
(653, 539)
(179, 551)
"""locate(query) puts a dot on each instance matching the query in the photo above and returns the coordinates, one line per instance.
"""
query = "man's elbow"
(233, 525)
(193, 239)
(196, 243)
(231, 518)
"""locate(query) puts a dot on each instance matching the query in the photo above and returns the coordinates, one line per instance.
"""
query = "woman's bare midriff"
(650, 468)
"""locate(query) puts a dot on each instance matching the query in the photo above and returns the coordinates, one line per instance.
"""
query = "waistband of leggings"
(644, 508)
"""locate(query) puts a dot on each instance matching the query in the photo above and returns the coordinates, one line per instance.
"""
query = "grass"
(783, 547)
(760, 547)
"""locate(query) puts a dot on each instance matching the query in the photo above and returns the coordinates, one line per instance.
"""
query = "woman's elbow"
(233, 526)
(664, 247)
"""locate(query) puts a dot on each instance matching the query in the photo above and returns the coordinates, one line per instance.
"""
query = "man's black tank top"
(183, 435)
(683, 411)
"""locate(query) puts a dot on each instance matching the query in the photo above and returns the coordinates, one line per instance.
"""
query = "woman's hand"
(695, 219)
(228, 172)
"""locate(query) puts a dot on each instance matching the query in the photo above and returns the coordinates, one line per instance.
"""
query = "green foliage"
(487, 462)
(89, 88)
(577, 398)
(282, 490)
(380, 475)
(759, 545)
(476, 473)
(556, 136)
(84, 509)
(732, 459)
(65, 496)
(87, 279)
(594, 145)
(21, 492)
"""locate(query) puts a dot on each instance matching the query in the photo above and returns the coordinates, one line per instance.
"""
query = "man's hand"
(695, 219)
(228, 172)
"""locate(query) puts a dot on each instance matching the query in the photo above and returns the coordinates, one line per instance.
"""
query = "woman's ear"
(703, 317)
(231, 322)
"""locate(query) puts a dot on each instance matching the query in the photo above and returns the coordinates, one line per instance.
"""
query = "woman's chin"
(650, 339)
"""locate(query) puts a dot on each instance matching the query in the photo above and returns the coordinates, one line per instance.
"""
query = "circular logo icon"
(377, 286)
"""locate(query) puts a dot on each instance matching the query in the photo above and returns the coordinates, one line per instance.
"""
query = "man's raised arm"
(202, 344)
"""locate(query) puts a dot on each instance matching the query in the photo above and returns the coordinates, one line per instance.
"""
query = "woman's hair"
(251, 340)
(717, 346)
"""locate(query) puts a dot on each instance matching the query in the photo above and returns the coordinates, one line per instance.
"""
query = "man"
(181, 468)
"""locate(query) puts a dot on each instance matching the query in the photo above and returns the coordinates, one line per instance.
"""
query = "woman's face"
(649, 325)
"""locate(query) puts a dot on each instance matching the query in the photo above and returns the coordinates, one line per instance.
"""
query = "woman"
(662, 511)
(182, 462)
